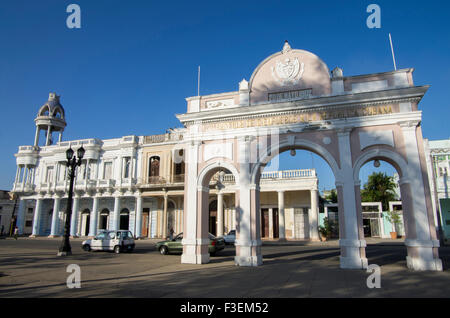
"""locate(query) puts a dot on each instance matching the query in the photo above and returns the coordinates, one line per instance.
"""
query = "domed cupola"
(50, 118)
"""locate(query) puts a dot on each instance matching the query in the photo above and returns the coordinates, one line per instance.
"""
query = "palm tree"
(379, 187)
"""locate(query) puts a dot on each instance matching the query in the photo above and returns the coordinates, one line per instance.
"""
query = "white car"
(230, 237)
(117, 241)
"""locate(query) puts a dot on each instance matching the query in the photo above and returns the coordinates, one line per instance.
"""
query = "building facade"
(438, 160)
(137, 183)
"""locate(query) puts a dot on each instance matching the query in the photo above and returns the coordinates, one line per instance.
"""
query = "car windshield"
(126, 235)
(179, 237)
(101, 236)
(211, 237)
(232, 232)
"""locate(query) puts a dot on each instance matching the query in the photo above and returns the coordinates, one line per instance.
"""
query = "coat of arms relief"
(289, 71)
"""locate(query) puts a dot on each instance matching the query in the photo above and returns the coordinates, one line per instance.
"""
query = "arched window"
(85, 222)
(179, 166)
(104, 218)
(153, 170)
(124, 219)
(44, 111)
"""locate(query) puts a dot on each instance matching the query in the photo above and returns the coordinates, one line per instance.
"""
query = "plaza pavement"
(30, 268)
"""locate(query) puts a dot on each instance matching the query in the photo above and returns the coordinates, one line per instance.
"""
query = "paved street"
(30, 268)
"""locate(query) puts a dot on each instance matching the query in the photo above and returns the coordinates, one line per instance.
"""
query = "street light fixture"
(72, 163)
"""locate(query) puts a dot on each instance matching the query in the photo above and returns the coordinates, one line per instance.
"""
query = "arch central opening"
(297, 196)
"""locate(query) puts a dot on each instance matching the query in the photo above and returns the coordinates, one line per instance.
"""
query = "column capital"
(345, 131)
(411, 124)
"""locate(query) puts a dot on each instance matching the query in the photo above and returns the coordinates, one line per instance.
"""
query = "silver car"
(230, 237)
(117, 241)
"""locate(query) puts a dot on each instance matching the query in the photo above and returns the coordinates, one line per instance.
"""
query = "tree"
(332, 196)
(379, 187)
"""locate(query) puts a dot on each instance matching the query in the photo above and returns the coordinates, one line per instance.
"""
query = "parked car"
(117, 241)
(230, 237)
(174, 246)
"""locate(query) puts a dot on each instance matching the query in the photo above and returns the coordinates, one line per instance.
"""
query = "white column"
(190, 243)
(281, 223)
(219, 214)
(120, 176)
(164, 220)
(351, 245)
(37, 218)
(17, 179)
(116, 222)
(271, 223)
(36, 137)
(314, 217)
(49, 130)
(93, 218)
(422, 256)
(55, 218)
(138, 229)
(21, 216)
(74, 217)
(248, 245)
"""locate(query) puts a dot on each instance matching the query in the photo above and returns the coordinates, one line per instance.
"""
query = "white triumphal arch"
(293, 102)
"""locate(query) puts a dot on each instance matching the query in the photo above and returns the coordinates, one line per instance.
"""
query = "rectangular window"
(30, 210)
(62, 172)
(28, 223)
(49, 177)
(107, 172)
(88, 171)
(126, 167)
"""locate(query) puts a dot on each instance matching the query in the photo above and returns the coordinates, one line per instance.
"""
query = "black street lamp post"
(72, 163)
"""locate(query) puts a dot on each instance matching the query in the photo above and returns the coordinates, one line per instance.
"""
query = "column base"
(423, 255)
(195, 251)
(351, 251)
(418, 264)
(353, 262)
(195, 259)
(33, 236)
(248, 253)
(53, 236)
(248, 260)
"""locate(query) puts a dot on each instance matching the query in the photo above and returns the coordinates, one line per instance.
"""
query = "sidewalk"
(333, 242)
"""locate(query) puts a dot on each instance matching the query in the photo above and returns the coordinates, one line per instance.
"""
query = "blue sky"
(132, 63)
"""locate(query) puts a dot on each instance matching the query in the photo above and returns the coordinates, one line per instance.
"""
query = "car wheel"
(117, 249)
(87, 247)
(164, 250)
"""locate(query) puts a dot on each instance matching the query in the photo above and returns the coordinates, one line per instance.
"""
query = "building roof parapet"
(167, 137)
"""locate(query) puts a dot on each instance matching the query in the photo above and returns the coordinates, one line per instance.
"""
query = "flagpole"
(392, 50)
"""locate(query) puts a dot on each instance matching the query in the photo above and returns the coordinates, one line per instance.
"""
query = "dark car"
(175, 246)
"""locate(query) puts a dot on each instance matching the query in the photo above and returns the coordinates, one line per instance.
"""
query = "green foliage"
(393, 217)
(327, 228)
(379, 188)
(332, 197)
